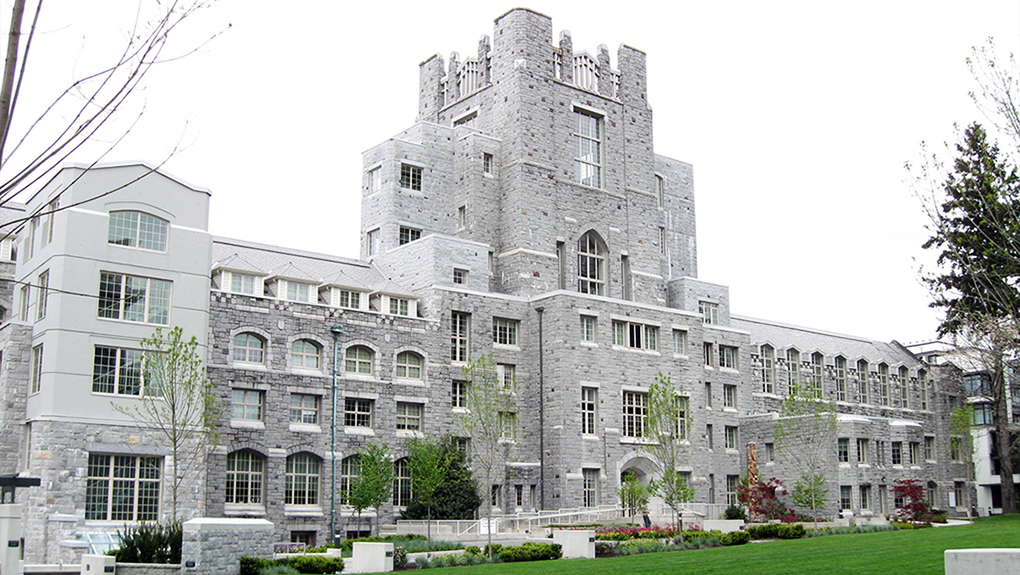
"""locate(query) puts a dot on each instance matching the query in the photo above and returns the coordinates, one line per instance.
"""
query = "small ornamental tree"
(912, 492)
(457, 496)
(810, 492)
(805, 434)
(374, 482)
(427, 463)
(762, 498)
(633, 495)
(666, 427)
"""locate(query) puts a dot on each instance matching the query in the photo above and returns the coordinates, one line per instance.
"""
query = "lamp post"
(336, 330)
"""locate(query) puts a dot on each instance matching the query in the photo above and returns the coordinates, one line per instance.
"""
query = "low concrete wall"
(576, 544)
(724, 525)
(370, 558)
(146, 569)
(982, 561)
(214, 546)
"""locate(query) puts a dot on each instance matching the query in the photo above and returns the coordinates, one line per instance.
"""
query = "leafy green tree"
(805, 434)
(374, 482)
(427, 462)
(633, 494)
(810, 492)
(457, 497)
(177, 403)
(666, 427)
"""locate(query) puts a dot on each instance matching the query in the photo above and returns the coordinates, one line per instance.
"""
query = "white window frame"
(304, 408)
(145, 232)
(112, 305)
(118, 374)
(358, 412)
(460, 335)
(587, 138)
(709, 312)
(410, 416)
(42, 295)
(589, 410)
(105, 492)
(247, 404)
(302, 479)
(504, 331)
(589, 325)
(634, 413)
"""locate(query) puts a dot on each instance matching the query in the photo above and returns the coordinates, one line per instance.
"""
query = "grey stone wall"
(217, 545)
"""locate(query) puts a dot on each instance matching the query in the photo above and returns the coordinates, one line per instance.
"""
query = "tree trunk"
(1003, 440)
(10, 67)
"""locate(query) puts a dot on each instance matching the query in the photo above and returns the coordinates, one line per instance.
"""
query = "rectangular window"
(883, 384)
(865, 497)
(117, 371)
(922, 384)
(410, 177)
(731, 437)
(374, 180)
(304, 408)
(727, 356)
(506, 373)
(350, 299)
(731, 489)
(589, 409)
(372, 242)
(43, 294)
(132, 298)
(299, 292)
(729, 396)
(660, 191)
(242, 283)
(461, 217)
(408, 235)
(504, 331)
(770, 452)
(709, 312)
(122, 488)
(138, 230)
(955, 451)
(246, 404)
(507, 425)
(460, 325)
(708, 394)
(958, 494)
(409, 416)
(591, 487)
(635, 335)
(458, 394)
(708, 354)
(904, 392)
(897, 453)
(768, 369)
(862, 380)
(47, 229)
(793, 369)
(460, 277)
(680, 341)
(709, 437)
(683, 406)
(840, 369)
(519, 495)
(487, 163)
(37, 359)
(844, 497)
(662, 240)
(634, 414)
(915, 453)
(400, 306)
(862, 450)
(26, 294)
(357, 412)
(843, 450)
(497, 491)
(587, 149)
(588, 324)
(880, 453)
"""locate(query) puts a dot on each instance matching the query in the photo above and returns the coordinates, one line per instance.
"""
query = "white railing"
(470, 77)
(586, 72)
(514, 523)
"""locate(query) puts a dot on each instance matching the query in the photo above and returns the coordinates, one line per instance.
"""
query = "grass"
(917, 552)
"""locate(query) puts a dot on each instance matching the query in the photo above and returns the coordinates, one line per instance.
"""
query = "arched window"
(249, 348)
(302, 483)
(244, 477)
(409, 365)
(591, 264)
(350, 469)
(304, 353)
(862, 379)
(358, 360)
(793, 368)
(817, 374)
(138, 230)
(401, 483)
(768, 369)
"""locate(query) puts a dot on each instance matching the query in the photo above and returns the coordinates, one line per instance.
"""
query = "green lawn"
(916, 552)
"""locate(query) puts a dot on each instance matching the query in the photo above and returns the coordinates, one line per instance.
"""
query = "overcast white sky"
(797, 116)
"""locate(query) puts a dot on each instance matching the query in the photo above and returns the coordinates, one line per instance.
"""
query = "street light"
(336, 330)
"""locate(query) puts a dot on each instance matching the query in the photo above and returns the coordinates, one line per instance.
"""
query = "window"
(591, 487)
(43, 294)
(246, 404)
(358, 359)
(249, 348)
(122, 488)
(408, 235)
(409, 365)
(487, 163)
(660, 191)
(977, 384)
(817, 370)
(301, 486)
(709, 312)
(461, 217)
(768, 369)
(865, 497)
(519, 495)
(138, 230)
(727, 356)
(862, 379)
(709, 437)
(497, 492)
(26, 292)
(374, 180)
(840, 369)
(915, 453)
(731, 489)
(729, 396)
(922, 383)
(300, 292)
(506, 374)
(955, 445)
(793, 369)
(357, 412)
(458, 394)
(304, 353)
(410, 177)
(242, 283)
(350, 299)
(244, 477)
(372, 242)
(662, 240)
(880, 452)
(350, 469)
(591, 264)
(708, 394)
(731, 437)
(47, 224)
(131, 298)
(929, 448)
(862, 450)
(504, 331)
(843, 450)
(460, 277)
(589, 409)
(507, 425)
(460, 324)
(400, 306)
(958, 497)
(409, 416)
(680, 341)
(904, 389)
(304, 408)
(117, 371)
(844, 497)
(587, 149)
(37, 359)
(883, 384)
(770, 452)
(635, 335)
(588, 324)
(401, 483)
(897, 453)
(983, 414)
(634, 414)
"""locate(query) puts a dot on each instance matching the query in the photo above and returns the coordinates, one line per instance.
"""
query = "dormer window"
(296, 291)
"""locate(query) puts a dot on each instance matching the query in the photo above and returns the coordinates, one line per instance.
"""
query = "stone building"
(526, 217)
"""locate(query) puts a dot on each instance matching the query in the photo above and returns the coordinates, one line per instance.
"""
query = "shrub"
(603, 549)
(310, 564)
(494, 551)
(636, 546)
(150, 542)
(735, 538)
(399, 556)
(472, 550)
(735, 512)
(790, 531)
(531, 551)
(279, 570)
(255, 565)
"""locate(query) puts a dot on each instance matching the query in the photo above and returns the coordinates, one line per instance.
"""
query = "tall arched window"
(304, 353)
(244, 477)
(409, 365)
(401, 483)
(249, 348)
(302, 481)
(591, 264)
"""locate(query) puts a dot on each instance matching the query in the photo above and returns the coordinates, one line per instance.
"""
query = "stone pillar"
(10, 537)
